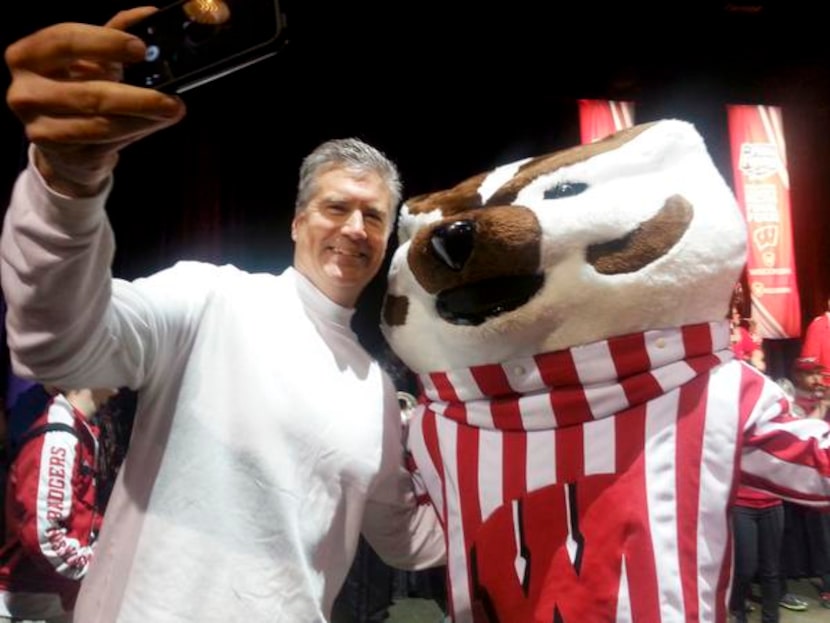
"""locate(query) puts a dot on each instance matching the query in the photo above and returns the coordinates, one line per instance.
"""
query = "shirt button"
(519, 370)
(660, 342)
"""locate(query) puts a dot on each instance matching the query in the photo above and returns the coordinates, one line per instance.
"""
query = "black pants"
(805, 550)
(758, 533)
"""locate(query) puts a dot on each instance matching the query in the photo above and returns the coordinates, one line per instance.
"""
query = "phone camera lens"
(152, 53)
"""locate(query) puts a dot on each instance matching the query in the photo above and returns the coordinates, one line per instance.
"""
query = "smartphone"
(193, 42)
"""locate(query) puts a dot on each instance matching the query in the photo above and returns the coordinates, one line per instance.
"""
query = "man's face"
(340, 237)
(809, 380)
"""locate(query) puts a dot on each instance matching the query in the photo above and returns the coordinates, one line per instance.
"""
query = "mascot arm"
(787, 455)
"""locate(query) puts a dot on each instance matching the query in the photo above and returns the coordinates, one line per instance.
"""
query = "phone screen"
(192, 42)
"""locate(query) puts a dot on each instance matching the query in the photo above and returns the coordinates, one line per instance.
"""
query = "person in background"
(806, 538)
(811, 396)
(747, 344)
(758, 528)
(758, 520)
(244, 492)
(816, 343)
(758, 524)
(757, 357)
(52, 516)
(115, 419)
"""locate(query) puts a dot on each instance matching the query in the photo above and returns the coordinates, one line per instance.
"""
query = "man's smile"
(352, 253)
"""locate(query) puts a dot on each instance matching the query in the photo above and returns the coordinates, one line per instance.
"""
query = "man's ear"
(299, 217)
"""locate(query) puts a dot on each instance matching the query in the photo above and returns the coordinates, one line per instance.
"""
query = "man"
(809, 398)
(817, 342)
(806, 548)
(746, 343)
(244, 492)
(52, 509)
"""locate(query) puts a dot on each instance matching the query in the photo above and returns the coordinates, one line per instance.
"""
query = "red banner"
(599, 118)
(759, 166)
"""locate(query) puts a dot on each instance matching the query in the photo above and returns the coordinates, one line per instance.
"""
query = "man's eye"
(336, 208)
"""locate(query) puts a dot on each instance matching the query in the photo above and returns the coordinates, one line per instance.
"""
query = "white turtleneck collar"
(321, 305)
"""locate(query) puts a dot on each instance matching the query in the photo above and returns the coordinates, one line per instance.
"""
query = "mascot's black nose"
(453, 243)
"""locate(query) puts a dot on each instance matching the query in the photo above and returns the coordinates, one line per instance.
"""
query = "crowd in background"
(776, 540)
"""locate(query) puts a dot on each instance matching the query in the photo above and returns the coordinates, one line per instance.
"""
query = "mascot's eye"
(565, 189)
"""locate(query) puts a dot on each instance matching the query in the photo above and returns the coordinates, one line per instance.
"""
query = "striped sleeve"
(783, 454)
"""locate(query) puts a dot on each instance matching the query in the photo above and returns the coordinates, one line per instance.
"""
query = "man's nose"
(354, 225)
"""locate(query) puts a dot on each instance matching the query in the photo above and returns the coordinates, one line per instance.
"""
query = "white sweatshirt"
(265, 439)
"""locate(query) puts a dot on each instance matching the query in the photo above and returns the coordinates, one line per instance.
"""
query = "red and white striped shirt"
(594, 484)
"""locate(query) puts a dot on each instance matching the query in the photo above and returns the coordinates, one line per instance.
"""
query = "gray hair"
(349, 153)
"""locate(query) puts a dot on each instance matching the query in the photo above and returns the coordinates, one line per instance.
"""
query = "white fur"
(577, 305)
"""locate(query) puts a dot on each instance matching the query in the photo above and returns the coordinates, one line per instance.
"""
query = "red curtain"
(599, 118)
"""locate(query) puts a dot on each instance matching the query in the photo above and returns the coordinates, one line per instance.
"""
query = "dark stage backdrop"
(446, 94)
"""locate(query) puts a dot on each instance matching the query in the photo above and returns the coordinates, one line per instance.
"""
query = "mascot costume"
(582, 423)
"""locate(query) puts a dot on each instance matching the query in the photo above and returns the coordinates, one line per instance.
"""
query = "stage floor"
(426, 611)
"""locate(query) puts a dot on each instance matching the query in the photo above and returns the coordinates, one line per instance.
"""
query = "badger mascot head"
(635, 232)
(578, 424)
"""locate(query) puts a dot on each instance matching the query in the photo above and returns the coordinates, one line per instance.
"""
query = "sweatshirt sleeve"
(69, 322)
(53, 490)
(401, 525)
(56, 254)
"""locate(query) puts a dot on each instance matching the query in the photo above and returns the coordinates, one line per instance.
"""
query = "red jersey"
(51, 516)
(754, 498)
(817, 342)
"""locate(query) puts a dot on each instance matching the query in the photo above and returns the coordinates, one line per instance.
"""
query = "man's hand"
(65, 89)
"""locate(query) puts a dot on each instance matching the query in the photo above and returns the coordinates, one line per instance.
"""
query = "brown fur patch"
(395, 309)
(647, 243)
(460, 198)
